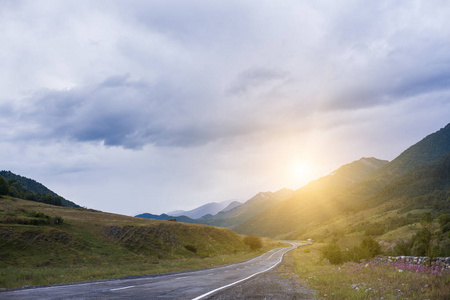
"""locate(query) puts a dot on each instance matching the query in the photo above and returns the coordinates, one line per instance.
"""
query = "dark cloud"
(222, 92)
(117, 112)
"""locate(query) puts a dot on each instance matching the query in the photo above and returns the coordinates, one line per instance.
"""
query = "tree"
(422, 240)
(369, 248)
(4, 189)
(444, 221)
(333, 253)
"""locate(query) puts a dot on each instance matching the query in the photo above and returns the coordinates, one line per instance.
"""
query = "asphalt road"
(197, 284)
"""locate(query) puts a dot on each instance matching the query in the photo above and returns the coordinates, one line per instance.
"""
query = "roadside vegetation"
(368, 279)
(44, 244)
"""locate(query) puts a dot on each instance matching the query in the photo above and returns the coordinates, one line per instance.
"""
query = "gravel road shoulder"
(278, 283)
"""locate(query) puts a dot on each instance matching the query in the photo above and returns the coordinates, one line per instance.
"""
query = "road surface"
(197, 284)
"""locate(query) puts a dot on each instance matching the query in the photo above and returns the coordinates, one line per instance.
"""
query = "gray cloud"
(236, 81)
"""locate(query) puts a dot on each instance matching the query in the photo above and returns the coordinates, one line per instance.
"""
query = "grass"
(92, 245)
(12, 276)
(368, 280)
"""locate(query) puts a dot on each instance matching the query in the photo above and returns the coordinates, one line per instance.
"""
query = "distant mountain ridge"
(418, 178)
(234, 214)
(165, 217)
(206, 209)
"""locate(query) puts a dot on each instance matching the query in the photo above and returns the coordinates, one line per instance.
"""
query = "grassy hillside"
(387, 205)
(43, 244)
(316, 202)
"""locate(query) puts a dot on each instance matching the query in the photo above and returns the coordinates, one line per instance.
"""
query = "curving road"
(197, 284)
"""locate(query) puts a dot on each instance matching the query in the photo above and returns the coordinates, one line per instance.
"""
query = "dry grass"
(95, 245)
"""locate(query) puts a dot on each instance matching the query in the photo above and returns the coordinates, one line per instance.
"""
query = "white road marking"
(122, 288)
(181, 277)
(239, 281)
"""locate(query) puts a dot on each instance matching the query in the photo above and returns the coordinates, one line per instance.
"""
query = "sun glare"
(302, 171)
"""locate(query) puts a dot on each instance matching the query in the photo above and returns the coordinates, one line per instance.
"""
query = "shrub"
(333, 253)
(369, 248)
(253, 241)
(402, 248)
(58, 220)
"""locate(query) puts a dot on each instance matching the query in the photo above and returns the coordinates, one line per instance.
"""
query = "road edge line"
(241, 280)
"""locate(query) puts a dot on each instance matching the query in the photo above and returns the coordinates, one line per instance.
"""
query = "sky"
(152, 106)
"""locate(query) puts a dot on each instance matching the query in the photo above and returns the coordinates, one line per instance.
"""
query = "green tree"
(4, 189)
(444, 221)
(402, 248)
(369, 248)
(333, 253)
(422, 240)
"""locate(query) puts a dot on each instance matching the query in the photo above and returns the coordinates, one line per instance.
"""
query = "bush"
(58, 220)
(402, 248)
(369, 248)
(333, 253)
(253, 241)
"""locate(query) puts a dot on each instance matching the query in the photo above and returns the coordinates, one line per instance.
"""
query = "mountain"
(430, 148)
(423, 187)
(232, 215)
(416, 179)
(23, 187)
(231, 206)
(206, 209)
(166, 217)
(350, 173)
(154, 217)
(255, 205)
(311, 203)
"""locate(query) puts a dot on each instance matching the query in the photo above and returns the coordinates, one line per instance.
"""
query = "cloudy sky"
(151, 106)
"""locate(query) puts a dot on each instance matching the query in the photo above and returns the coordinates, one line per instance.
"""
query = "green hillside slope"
(41, 244)
(418, 178)
(314, 203)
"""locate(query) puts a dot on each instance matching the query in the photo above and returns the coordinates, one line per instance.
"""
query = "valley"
(364, 205)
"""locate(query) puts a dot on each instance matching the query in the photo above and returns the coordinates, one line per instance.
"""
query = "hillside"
(45, 240)
(312, 203)
(418, 179)
(428, 149)
(350, 173)
(30, 189)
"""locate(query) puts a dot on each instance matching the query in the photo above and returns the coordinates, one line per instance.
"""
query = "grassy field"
(368, 280)
(42, 244)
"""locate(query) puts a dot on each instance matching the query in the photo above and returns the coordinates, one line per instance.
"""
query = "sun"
(301, 171)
